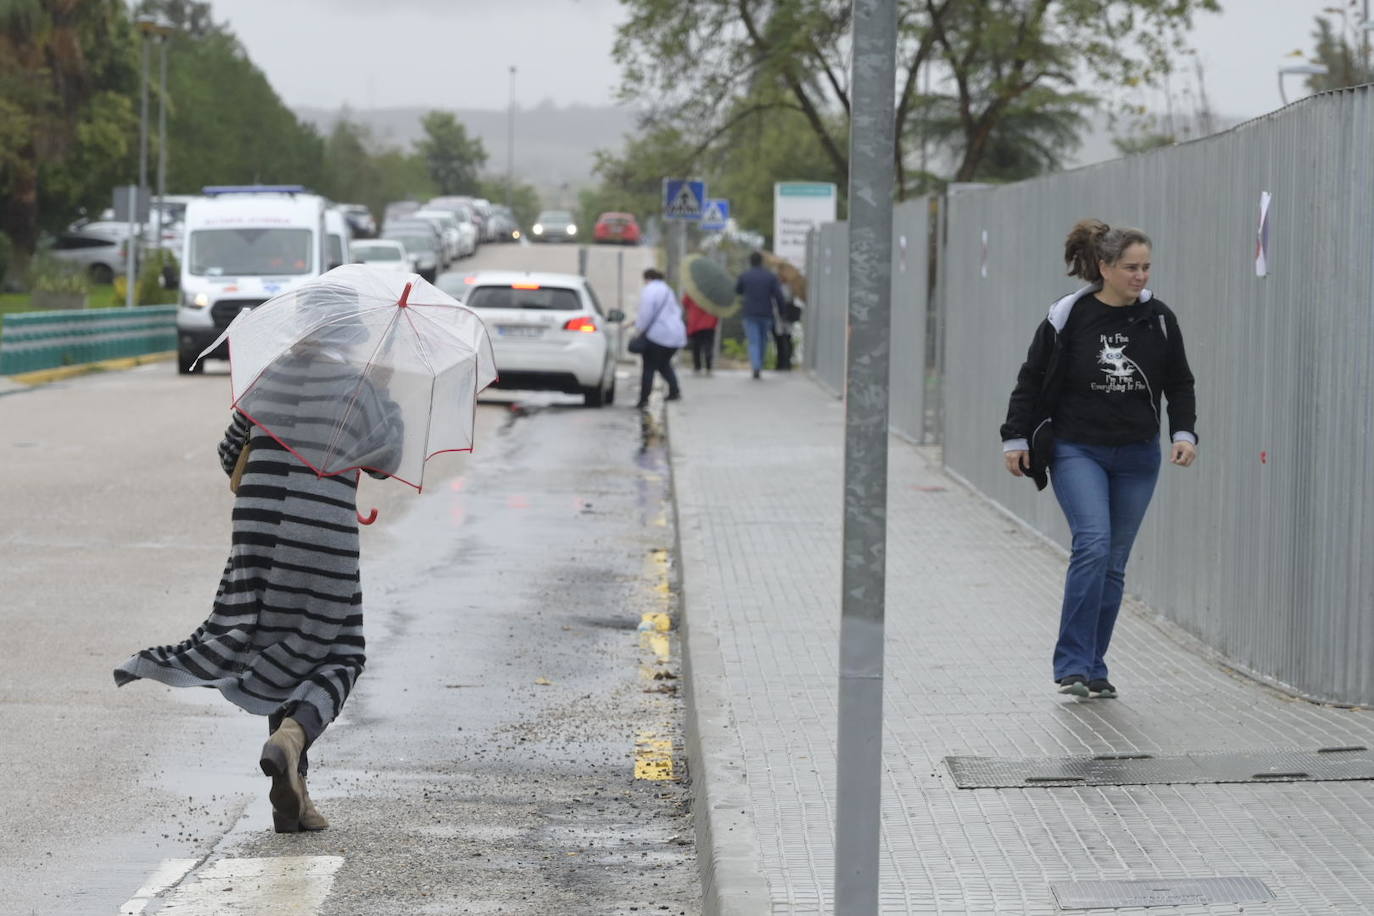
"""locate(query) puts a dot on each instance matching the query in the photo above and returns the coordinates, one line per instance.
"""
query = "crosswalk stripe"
(274, 886)
(164, 876)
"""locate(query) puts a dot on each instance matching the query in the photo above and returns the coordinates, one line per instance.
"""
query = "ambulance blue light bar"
(212, 190)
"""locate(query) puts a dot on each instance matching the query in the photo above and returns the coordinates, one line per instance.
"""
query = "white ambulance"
(242, 246)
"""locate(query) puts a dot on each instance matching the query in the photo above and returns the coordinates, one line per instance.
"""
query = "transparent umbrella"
(362, 369)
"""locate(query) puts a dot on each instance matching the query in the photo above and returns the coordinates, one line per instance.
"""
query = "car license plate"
(518, 330)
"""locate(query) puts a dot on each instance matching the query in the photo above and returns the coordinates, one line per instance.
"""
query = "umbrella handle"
(371, 516)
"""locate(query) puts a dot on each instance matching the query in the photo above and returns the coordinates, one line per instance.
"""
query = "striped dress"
(287, 621)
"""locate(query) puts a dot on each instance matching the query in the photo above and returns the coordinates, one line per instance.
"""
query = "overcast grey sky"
(456, 53)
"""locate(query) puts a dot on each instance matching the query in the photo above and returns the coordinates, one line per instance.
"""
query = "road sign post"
(858, 801)
(683, 201)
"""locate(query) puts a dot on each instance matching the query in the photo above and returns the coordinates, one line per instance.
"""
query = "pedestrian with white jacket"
(659, 319)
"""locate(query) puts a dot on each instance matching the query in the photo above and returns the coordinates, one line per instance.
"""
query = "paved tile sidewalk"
(972, 604)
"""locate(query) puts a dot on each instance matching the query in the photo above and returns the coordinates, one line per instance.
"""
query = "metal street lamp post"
(1300, 69)
(510, 144)
(149, 28)
(161, 136)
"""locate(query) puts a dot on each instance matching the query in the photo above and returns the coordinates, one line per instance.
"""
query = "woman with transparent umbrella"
(285, 635)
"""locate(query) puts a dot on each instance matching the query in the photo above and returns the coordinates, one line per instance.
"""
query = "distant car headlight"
(199, 301)
(515, 234)
(572, 230)
(537, 229)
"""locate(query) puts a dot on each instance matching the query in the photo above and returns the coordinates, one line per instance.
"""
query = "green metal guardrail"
(30, 341)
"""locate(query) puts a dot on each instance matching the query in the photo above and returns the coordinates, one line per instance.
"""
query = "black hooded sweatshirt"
(1098, 371)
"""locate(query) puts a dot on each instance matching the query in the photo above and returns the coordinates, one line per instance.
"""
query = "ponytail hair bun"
(1092, 242)
(1082, 249)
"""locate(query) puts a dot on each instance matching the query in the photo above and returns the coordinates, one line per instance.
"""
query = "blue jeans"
(1104, 491)
(758, 330)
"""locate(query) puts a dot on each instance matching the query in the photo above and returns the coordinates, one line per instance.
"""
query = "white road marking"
(168, 873)
(277, 886)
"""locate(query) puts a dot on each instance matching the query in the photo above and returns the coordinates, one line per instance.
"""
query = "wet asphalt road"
(506, 749)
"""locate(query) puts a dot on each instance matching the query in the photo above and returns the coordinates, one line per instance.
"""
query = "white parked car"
(548, 332)
(386, 254)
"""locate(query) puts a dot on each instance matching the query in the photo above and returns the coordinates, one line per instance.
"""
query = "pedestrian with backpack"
(1085, 414)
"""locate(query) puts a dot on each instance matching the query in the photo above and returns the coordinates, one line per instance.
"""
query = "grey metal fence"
(827, 305)
(1265, 548)
(827, 312)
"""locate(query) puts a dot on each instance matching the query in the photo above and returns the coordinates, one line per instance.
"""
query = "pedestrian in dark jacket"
(1086, 408)
(763, 296)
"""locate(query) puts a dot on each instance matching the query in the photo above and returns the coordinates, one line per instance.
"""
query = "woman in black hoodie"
(1086, 409)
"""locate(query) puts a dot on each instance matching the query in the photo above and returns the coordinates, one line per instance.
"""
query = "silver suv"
(98, 247)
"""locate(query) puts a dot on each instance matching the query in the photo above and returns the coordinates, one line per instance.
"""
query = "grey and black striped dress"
(287, 621)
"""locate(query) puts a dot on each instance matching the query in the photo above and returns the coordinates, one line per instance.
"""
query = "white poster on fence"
(799, 207)
(1262, 237)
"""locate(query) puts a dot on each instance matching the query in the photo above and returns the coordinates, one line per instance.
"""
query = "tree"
(227, 125)
(700, 59)
(524, 198)
(454, 159)
(67, 72)
(1342, 54)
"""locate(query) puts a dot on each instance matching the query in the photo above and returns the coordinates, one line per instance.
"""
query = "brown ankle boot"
(281, 759)
(311, 818)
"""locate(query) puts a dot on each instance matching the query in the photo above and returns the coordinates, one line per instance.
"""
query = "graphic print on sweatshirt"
(1120, 372)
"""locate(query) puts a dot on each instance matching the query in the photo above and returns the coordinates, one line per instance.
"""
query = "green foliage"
(524, 199)
(712, 63)
(226, 125)
(357, 170)
(6, 258)
(50, 275)
(453, 158)
(1341, 51)
(1033, 135)
(149, 290)
(63, 133)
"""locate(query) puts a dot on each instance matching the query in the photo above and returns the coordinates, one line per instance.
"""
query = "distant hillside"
(553, 146)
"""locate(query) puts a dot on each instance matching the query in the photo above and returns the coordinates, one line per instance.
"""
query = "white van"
(337, 238)
(242, 246)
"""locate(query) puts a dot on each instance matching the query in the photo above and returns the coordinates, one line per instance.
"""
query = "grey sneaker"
(1101, 688)
(1074, 685)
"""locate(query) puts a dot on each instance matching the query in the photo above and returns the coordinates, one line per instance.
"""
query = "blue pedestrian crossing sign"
(683, 199)
(716, 215)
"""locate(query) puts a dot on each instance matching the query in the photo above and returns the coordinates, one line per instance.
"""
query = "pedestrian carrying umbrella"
(709, 285)
(361, 369)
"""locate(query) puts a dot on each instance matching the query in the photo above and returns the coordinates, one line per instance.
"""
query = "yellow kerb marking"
(653, 757)
(657, 622)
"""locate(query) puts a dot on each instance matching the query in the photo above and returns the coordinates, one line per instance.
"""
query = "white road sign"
(799, 207)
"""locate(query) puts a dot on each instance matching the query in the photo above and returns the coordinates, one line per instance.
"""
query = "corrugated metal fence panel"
(1262, 548)
(827, 317)
(910, 295)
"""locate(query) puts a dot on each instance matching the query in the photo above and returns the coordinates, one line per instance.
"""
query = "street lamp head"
(1306, 69)
(154, 26)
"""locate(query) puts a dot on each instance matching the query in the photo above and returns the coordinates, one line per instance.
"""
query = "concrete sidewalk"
(972, 606)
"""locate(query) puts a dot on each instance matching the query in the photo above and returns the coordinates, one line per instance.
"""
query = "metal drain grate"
(1324, 765)
(1090, 895)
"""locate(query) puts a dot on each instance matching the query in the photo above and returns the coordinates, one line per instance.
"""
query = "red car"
(616, 227)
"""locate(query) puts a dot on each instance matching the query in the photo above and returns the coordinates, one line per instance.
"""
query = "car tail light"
(581, 323)
(524, 286)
